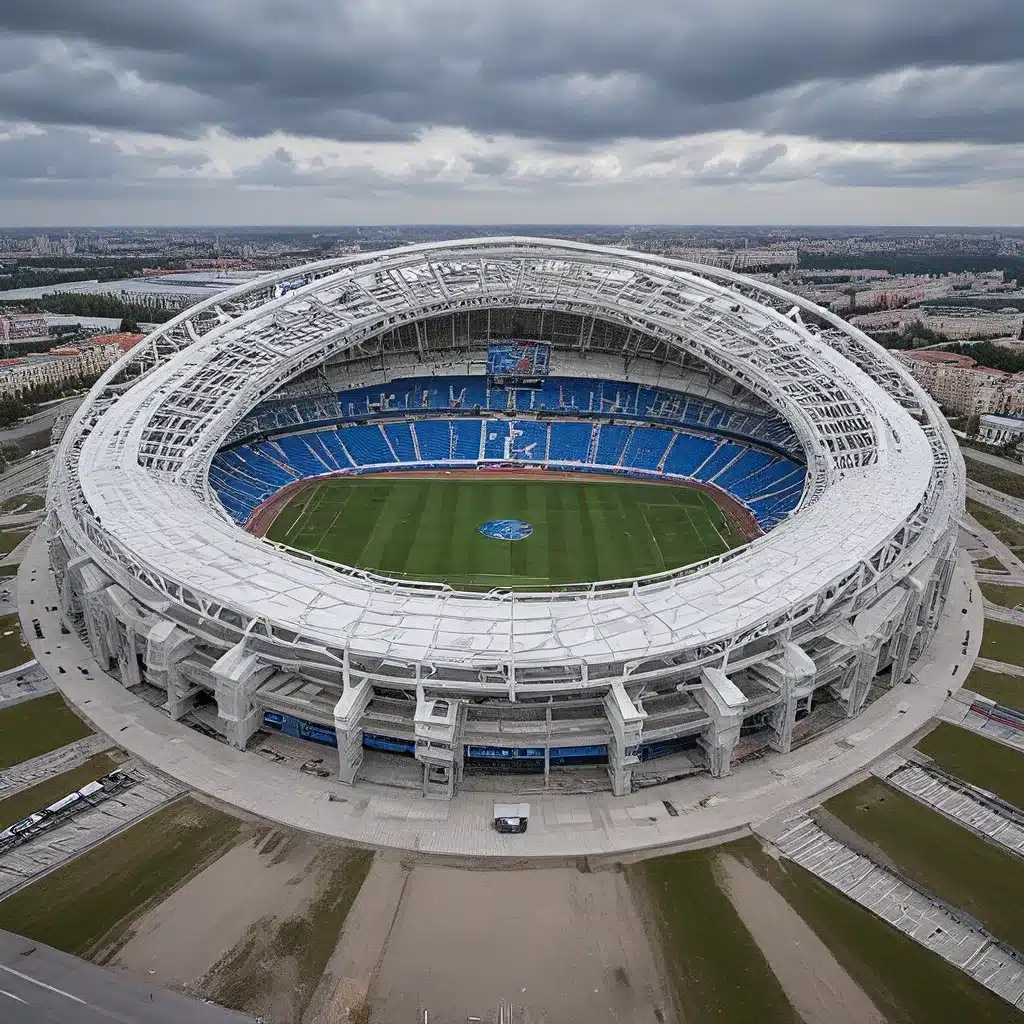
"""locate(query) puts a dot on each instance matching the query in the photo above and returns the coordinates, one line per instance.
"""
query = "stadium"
(508, 506)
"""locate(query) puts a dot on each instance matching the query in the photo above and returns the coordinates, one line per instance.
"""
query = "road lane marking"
(42, 984)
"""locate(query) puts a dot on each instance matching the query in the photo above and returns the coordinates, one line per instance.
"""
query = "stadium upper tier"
(169, 589)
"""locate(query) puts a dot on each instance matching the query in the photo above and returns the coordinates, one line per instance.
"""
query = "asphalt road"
(39, 985)
(992, 460)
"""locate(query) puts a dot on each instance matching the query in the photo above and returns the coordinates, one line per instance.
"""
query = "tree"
(129, 325)
(973, 425)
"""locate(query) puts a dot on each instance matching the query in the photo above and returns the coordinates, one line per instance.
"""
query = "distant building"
(55, 367)
(962, 387)
(125, 340)
(1000, 430)
(23, 327)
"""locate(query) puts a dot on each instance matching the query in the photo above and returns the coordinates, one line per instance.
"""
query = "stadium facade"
(637, 365)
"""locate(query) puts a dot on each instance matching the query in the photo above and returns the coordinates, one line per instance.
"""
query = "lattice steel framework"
(130, 489)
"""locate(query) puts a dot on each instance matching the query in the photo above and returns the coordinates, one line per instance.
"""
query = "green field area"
(975, 759)
(427, 529)
(22, 503)
(27, 801)
(908, 983)
(1002, 641)
(10, 539)
(717, 970)
(951, 862)
(992, 563)
(1005, 480)
(88, 904)
(1001, 687)
(1010, 532)
(1008, 597)
(36, 726)
(13, 649)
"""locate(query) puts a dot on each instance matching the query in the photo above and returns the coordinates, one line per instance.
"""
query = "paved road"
(1009, 506)
(40, 985)
(993, 460)
(26, 475)
(41, 421)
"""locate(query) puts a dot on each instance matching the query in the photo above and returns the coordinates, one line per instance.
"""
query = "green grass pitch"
(426, 529)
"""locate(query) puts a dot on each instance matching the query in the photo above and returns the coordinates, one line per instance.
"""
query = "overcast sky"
(472, 111)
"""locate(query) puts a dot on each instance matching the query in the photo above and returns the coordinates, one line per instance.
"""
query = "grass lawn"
(1004, 480)
(88, 904)
(977, 760)
(991, 563)
(1002, 641)
(22, 804)
(953, 863)
(10, 539)
(13, 649)
(908, 983)
(36, 726)
(715, 966)
(1001, 687)
(427, 528)
(1008, 597)
(22, 503)
(1010, 532)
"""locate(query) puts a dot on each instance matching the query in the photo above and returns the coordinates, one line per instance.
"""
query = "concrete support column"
(793, 676)
(236, 675)
(88, 586)
(725, 703)
(166, 646)
(348, 717)
(626, 719)
(439, 748)
(905, 643)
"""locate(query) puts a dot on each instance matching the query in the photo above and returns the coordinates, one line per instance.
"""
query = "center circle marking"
(505, 529)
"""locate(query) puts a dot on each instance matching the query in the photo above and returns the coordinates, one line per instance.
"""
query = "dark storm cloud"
(570, 72)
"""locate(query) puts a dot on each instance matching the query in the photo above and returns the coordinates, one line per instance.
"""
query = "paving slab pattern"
(45, 766)
(957, 802)
(915, 914)
(22, 864)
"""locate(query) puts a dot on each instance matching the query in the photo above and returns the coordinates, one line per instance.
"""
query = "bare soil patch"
(555, 944)
(256, 928)
(815, 983)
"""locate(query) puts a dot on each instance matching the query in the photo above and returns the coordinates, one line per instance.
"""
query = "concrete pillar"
(627, 721)
(236, 675)
(792, 675)
(166, 646)
(724, 702)
(88, 584)
(348, 716)
(438, 723)
(904, 643)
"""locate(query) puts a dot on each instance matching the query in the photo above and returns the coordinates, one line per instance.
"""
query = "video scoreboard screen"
(513, 362)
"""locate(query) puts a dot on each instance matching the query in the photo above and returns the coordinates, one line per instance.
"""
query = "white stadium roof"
(132, 477)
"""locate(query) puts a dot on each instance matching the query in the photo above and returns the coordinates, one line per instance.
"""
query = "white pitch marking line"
(11, 995)
(42, 984)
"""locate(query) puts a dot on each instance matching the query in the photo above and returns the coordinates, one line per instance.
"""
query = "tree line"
(14, 408)
(106, 304)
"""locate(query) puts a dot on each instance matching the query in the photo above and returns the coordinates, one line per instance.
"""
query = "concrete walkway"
(992, 460)
(561, 827)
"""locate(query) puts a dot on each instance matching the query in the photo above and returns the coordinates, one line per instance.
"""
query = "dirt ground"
(254, 930)
(191, 930)
(814, 982)
(553, 945)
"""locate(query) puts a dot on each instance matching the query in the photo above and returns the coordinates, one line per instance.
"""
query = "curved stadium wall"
(659, 369)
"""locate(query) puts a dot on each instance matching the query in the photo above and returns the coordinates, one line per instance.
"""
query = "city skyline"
(906, 112)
